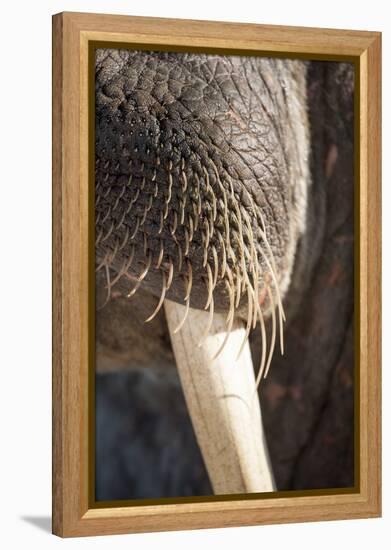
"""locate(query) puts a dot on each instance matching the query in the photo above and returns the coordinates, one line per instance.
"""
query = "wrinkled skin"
(222, 136)
(282, 133)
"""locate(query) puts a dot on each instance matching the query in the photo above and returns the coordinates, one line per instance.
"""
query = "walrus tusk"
(222, 401)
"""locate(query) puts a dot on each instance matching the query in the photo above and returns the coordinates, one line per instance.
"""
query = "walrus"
(225, 183)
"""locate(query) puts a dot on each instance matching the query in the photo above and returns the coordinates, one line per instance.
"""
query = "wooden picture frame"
(74, 510)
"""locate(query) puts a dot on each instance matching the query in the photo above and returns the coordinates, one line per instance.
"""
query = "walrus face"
(201, 177)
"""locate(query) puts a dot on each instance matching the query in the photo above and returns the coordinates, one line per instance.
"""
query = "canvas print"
(224, 262)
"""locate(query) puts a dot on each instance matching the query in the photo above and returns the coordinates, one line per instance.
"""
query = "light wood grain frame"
(74, 512)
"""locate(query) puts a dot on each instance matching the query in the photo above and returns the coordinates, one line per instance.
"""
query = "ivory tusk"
(222, 401)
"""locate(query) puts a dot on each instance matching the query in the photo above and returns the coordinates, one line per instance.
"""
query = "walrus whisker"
(250, 234)
(205, 251)
(214, 205)
(215, 265)
(213, 164)
(225, 200)
(125, 266)
(108, 233)
(182, 322)
(108, 190)
(264, 346)
(273, 337)
(229, 328)
(207, 235)
(206, 178)
(168, 199)
(199, 205)
(146, 210)
(143, 274)
(249, 321)
(102, 262)
(208, 324)
(184, 178)
(238, 286)
(121, 194)
(132, 236)
(114, 253)
(231, 290)
(224, 255)
(125, 239)
(175, 224)
(161, 300)
(161, 253)
(170, 273)
(189, 279)
(161, 224)
(141, 277)
(209, 286)
(108, 284)
(256, 294)
(240, 242)
(198, 193)
(165, 212)
(121, 221)
(257, 213)
(134, 289)
(231, 187)
(211, 225)
(145, 243)
(191, 228)
(273, 272)
(186, 251)
(136, 196)
(106, 215)
(128, 209)
(195, 216)
(181, 211)
(150, 203)
(226, 223)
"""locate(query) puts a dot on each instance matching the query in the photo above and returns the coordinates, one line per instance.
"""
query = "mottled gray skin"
(239, 123)
(307, 203)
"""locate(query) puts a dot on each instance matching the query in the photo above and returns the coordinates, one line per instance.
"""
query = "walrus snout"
(195, 199)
